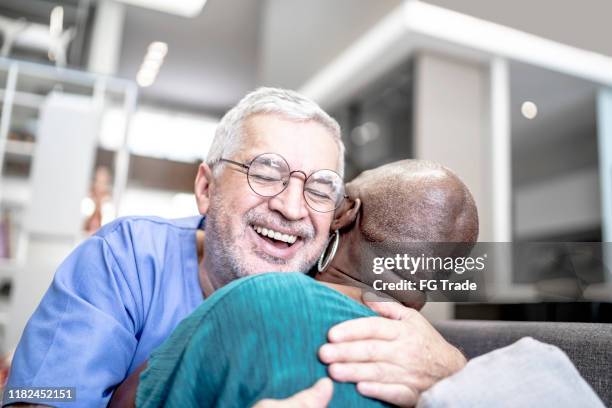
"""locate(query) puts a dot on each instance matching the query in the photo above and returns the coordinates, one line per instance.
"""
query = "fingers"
(396, 394)
(389, 309)
(364, 328)
(381, 372)
(356, 351)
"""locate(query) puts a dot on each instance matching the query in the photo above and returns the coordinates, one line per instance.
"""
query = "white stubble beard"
(225, 261)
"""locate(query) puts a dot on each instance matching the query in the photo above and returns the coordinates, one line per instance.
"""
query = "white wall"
(298, 38)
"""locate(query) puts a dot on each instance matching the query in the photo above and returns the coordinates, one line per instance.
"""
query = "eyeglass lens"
(269, 174)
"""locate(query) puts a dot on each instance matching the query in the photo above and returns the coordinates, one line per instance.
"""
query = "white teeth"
(290, 239)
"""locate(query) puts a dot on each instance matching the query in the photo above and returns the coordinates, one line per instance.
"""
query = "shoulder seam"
(118, 266)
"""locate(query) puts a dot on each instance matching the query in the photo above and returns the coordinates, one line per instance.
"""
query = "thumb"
(316, 396)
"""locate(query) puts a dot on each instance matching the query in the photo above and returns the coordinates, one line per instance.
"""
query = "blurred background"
(108, 107)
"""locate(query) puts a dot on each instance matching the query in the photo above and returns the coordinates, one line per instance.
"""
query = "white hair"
(289, 104)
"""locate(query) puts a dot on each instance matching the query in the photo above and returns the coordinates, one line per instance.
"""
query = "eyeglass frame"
(248, 166)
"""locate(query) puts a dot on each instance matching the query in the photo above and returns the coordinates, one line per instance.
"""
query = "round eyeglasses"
(268, 175)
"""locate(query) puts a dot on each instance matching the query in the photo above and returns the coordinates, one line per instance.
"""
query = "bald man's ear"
(346, 215)
(203, 182)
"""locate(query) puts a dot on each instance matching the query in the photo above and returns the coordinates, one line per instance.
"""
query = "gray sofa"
(588, 345)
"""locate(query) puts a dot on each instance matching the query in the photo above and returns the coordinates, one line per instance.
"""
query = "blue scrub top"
(117, 297)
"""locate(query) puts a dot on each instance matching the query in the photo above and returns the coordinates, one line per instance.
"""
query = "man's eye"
(319, 195)
(264, 178)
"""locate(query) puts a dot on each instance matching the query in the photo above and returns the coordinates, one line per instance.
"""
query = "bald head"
(414, 201)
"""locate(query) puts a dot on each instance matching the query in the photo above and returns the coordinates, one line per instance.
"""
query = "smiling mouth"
(276, 238)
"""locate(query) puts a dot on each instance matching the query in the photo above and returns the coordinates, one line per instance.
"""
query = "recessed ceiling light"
(152, 62)
(157, 50)
(185, 8)
(150, 65)
(529, 109)
(145, 79)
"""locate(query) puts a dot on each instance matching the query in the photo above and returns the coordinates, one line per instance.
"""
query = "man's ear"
(346, 214)
(203, 182)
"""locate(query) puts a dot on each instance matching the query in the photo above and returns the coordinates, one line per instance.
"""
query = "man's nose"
(290, 203)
